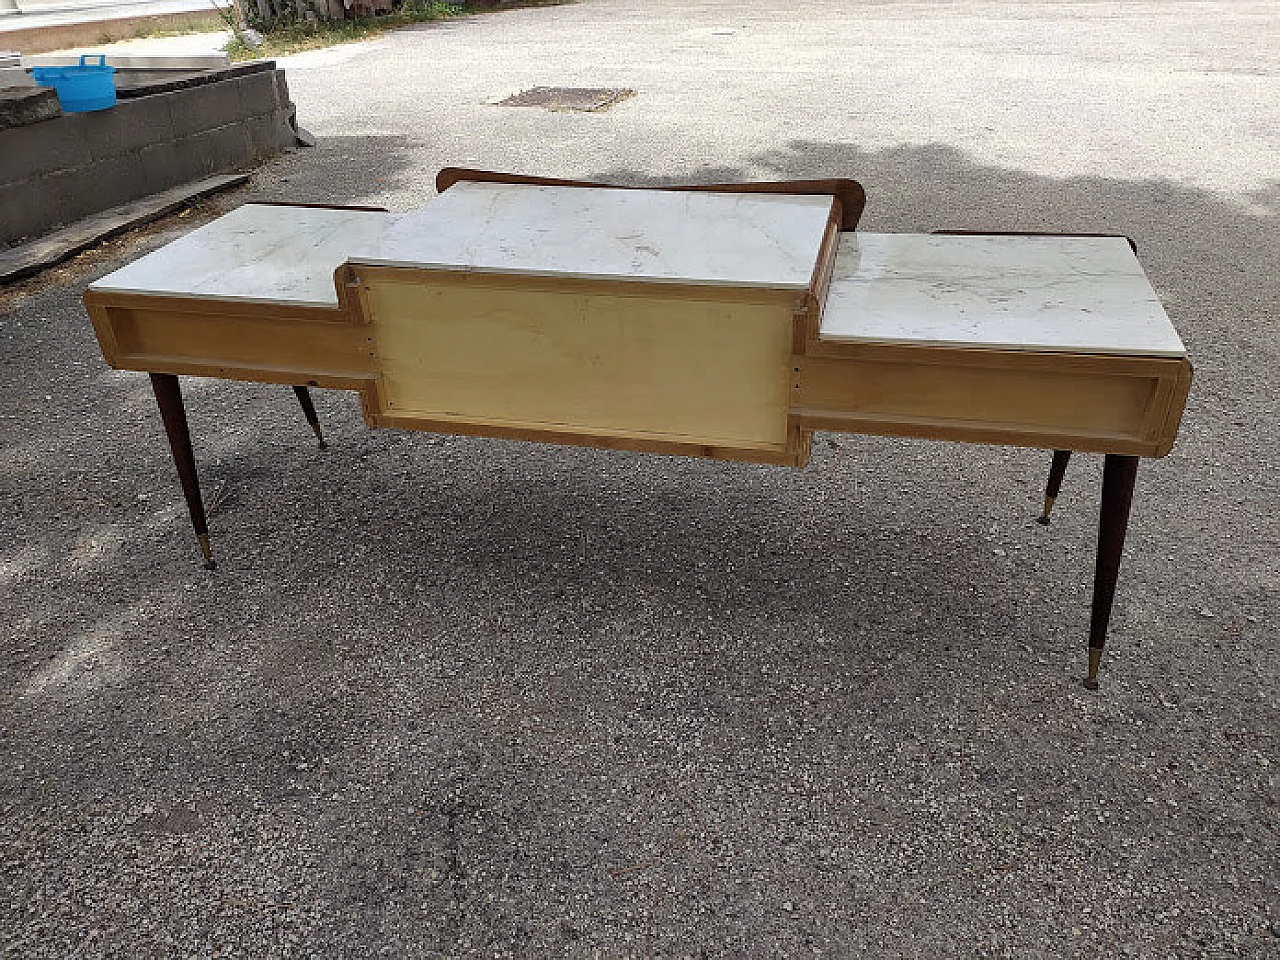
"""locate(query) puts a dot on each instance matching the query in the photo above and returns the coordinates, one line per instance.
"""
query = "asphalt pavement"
(452, 697)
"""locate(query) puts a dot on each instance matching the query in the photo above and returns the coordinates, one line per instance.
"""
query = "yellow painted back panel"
(615, 359)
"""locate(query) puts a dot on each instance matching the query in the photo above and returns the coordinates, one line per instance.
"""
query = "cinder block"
(28, 210)
(207, 107)
(259, 94)
(164, 166)
(40, 148)
(98, 186)
(125, 128)
(270, 134)
(282, 86)
(214, 151)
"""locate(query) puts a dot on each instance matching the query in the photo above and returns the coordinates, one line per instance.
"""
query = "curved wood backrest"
(849, 192)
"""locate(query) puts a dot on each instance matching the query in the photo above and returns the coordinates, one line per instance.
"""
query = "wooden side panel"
(1105, 405)
(1167, 416)
(605, 361)
(234, 341)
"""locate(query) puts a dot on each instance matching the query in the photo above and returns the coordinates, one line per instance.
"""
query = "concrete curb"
(62, 170)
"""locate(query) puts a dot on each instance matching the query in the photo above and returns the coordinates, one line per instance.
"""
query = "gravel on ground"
(451, 697)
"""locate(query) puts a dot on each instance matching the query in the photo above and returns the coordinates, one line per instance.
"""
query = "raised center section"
(522, 310)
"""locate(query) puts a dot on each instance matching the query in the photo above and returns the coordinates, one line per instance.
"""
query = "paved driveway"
(452, 697)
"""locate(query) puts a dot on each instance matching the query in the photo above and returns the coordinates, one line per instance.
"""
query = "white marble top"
(735, 239)
(1085, 294)
(256, 253)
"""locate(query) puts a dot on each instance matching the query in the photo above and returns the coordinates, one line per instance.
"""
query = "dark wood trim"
(852, 198)
(315, 206)
(309, 411)
(1057, 470)
(1119, 474)
(174, 414)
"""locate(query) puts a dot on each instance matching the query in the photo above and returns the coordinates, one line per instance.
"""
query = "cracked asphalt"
(450, 697)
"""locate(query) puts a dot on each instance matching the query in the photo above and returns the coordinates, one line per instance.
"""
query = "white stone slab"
(14, 76)
(1085, 294)
(257, 253)
(115, 57)
(749, 240)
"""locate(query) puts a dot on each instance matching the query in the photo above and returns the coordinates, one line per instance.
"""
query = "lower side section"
(703, 372)
(1124, 405)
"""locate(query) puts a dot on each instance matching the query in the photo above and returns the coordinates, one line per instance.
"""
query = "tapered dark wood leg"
(309, 411)
(174, 414)
(1118, 476)
(1056, 472)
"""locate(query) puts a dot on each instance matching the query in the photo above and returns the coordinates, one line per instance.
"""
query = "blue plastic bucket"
(83, 88)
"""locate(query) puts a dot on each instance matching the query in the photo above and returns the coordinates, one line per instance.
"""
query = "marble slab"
(747, 240)
(1085, 294)
(257, 253)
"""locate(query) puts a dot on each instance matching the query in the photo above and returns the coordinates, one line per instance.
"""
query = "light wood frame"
(647, 393)
(1129, 405)
(1087, 402)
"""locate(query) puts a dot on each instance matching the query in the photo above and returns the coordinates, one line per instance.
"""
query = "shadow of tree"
(359, 170)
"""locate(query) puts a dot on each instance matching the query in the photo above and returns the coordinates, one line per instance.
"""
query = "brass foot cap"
(1095, 661)
(1043, 519)
(207, 551)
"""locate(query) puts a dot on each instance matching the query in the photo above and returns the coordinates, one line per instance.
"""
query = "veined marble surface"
(256, 253)
(750, 240)
(1085, 294)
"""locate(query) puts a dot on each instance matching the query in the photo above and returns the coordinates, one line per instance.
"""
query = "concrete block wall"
(57, 171)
